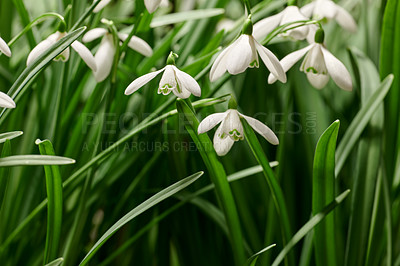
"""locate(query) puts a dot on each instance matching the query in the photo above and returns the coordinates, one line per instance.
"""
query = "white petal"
(210, 121)
(288, 61)
(141, 81)
(85, 54)
(64, 56)
(187, 82)
(6, 101)
(345, 20)
(101, 5)
(337, 71)
(183, 93)
(137, 44)
(168, 81)
(152, 5)
(240, 55)
(4, 48)
(292, 14)
(308, 9)
(38, 50)
(104, 58)
(232, 125)
(271, 62)
(94, 34)
(222, 144)
(314, 61)
(219, 66)
(263, 27)
(324, 9)
(262, 129)
(318, 81)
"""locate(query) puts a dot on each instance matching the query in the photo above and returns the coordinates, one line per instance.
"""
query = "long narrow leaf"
(54, 204)
(16, 160)
(157, 198)
(323, 193)
(310, 225)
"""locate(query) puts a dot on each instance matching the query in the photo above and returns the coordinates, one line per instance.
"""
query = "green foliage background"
(128, 148)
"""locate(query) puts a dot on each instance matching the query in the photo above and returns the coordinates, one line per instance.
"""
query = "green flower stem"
(218, 177)
(276, 191)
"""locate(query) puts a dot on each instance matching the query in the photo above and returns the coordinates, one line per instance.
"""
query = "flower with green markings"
(290, 14)
(44, 45)
(173, 80)
(242, 54)
(231, 129)
(318, 64)
(4, 48)
(320, 9)
(6, 101)
(104, 56)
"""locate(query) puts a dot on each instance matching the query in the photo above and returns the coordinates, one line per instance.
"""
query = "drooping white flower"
(81, 49)
(243, 53)
(290, 14)
(4, 48)
(231, 129)
(173, 80)
(318, 64)
(105, 54)
(6, 101)
(320, 9)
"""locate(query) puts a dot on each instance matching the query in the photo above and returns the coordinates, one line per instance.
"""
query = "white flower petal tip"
(93, 34)
(100, 5)
(6, 101)
(4, 48)
(336, 69)
(152, 5)
(262, 129)
(271, 62)
(137, 44)
(104, 58)
(141, 81)
(210, 121)
(85, 54)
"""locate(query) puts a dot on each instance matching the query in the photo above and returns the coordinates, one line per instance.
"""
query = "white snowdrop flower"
(243, 53)
(320, 9)
(318, 64)
(231, 129)
(290, 14)
(4, 48)
(173, 80)
(81, 49)
(104, 56)
(6, 101)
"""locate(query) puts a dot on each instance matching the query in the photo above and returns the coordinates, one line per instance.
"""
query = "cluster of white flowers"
(319, 64)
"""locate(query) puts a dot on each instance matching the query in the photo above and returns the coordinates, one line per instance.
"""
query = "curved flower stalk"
(173, 80)
(81, 49)
(290, 14)
(243, 53)
(231, 129)
(4, 48)
(318, 64)
(6, 101)
(105, 54)
(320, 9)
(151, 5)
